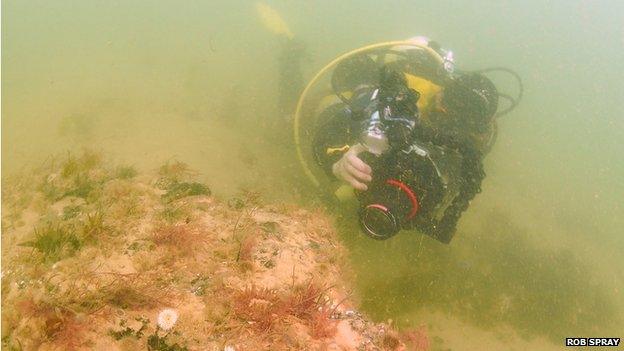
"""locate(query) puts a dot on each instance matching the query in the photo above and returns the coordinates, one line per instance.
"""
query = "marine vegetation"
(99, 257)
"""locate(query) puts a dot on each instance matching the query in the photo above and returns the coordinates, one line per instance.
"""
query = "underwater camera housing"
(415, 182)
(415, 192)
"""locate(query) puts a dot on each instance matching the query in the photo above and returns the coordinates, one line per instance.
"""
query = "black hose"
(513, 101)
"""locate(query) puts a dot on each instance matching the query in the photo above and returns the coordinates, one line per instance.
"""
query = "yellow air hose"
(337, 60)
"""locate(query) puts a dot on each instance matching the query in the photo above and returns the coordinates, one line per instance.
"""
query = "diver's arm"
(351, 169)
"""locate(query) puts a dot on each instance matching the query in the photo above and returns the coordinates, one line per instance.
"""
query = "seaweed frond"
(174, 172)
(265, 308)
(80, 176)
(182, 238)
(259, 307)
(180, 190)
(93, 226)
(321, 324)
(54, 241)
(125, 291)
(304, 300)
(58, 324)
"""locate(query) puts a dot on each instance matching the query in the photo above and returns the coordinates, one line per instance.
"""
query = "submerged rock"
(245, 277)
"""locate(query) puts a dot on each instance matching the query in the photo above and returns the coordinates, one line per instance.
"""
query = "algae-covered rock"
(102, 272)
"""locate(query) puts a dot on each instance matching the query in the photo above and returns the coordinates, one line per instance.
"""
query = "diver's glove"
(351, 169)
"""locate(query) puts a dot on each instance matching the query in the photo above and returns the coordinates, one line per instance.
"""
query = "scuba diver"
(408, 132)
(398, 123)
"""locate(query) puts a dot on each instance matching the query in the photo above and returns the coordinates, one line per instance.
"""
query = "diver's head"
(470, 102)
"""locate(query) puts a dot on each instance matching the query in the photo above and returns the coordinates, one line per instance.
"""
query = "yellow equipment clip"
(333, 150)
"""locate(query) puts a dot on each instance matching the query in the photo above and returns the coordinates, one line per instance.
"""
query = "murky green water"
(540, 249)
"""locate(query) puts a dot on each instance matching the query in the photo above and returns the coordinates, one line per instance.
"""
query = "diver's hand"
(351, 169)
